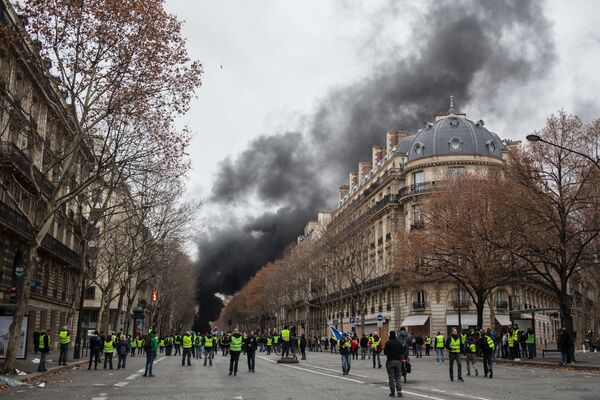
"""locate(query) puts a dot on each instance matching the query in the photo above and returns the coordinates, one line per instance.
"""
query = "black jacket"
(364, 342)
(395, 349)
(250, 344)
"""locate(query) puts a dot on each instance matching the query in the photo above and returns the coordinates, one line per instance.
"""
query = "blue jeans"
(439, 355)
(530, 350)
(563, 357)
(149, 361)
(345, 363)
(419, 351)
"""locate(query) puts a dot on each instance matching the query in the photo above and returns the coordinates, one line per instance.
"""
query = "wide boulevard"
(319, 377)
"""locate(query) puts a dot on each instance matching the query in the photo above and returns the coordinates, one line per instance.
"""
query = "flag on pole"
(338, 335)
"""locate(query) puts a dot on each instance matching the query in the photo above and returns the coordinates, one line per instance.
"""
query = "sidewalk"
(30, 368)
(584, 361)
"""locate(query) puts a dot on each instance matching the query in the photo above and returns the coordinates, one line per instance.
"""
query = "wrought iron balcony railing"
(10, 152)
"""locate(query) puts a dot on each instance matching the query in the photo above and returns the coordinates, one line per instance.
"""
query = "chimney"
(363, 169)
(343, 191)
(391, 139)
(352, 180)
(378, 154)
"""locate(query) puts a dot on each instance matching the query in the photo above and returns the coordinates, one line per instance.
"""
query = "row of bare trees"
(123, 75)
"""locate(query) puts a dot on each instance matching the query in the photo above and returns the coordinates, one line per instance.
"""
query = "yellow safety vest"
(187, 342)
(439, 341)
(269, 341)
(473, 348)
(285, 335)
(427, 340)
(208, 342)
(109, 346)
(511, 341)
(236, 343)
(133, 343)
(490, 342)
(63, 337)
(530, 338)
(455, 345)
(41, 341)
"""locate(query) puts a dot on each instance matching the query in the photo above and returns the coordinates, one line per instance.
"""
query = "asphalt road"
(317, 378)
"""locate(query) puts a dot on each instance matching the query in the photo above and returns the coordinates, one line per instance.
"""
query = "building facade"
(385, 195)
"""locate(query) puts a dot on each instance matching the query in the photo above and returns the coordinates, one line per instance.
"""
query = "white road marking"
(131, 377)
(141, 370)
(438, 390)
(333, 370)
(121, 384)
(316, 372)
(99, 398)
(417, 394)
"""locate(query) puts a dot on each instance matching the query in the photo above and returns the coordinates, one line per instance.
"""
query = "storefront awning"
(465, 319)
(503, 320)
(415, 320)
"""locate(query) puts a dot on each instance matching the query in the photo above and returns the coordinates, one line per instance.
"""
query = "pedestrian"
(530, 341)
(395, 350)
(470, 353)
(123, 349)
(364, 346)
(250, 345)
(345, 347)
(198, 345)
(64, 338)
(151, 349)
(235, 348)
(285, 341)
(44, 349)
(439, 348)
(109, 349)
(303, 346)
(376, 349)
(564, 343)
(419, 342)
(177, 342)
(354, 347)
(427, 345)
(95, 347)
(332, 343)
(140, 344)
(486, 345)
(209, 344)
(186, 343)
(454, 345)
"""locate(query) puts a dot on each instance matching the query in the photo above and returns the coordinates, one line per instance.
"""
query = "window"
(418, 177)
(90, 293)
(453, 172)
(455, 144)
(418, 148)
(417, 215)
(419, 300)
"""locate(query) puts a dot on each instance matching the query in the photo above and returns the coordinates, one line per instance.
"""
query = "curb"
(570, 367)
(40, 375)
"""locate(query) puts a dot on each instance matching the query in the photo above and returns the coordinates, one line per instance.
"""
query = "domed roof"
(453, 135)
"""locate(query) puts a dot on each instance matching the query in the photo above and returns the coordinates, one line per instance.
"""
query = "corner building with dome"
(384, 195)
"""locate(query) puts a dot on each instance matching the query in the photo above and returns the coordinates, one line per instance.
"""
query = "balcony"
(419, 188)
(463, 304)
(15, 220)
(418, 305)
(502, 304)
(9, 151)
(54, 246)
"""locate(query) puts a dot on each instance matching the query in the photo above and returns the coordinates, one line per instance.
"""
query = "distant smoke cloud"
(472, 50)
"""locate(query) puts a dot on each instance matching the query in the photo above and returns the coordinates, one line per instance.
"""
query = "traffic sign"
(19, 271)
(352, 321)
(379, 320)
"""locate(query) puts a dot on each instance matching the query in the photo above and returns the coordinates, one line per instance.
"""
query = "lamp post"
(537, 138)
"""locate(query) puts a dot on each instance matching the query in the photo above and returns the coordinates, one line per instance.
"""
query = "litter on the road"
(35, 360)
(21, 373)
(10, 381)
(42, 384)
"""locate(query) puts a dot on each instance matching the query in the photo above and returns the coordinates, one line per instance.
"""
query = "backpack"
(148, 344)
(123, 349)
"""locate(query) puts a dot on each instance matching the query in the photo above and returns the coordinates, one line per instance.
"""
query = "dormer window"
(455, 144)
(418, 148)
(454, 122)
(491, 145)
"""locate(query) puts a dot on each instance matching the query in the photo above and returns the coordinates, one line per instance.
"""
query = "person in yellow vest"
(161, 345)
(470, 353)
(198, 345)
(285, 342)
(235, 348)
(186, 343)
(109, 349)
(454, 345)
(530, 341)
(439, 348)
(44, 349)
(427, 345)
(345, 346)
(209, 345)
(376, 348)
(511, 346)
(486, 346)
(133, 345)
(276, 343)
(269, 344)
(64, 338)
(140, 344)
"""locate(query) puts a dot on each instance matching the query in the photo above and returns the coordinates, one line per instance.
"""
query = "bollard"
(583, 347)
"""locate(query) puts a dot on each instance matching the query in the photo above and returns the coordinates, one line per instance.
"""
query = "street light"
(537, 138)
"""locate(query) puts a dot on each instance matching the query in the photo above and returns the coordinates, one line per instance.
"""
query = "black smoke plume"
(476, 51)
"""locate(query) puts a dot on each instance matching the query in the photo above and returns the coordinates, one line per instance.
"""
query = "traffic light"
(154, 296)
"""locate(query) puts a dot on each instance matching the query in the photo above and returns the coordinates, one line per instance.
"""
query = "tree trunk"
(117, 320)
(31, 262)
(480, 305)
